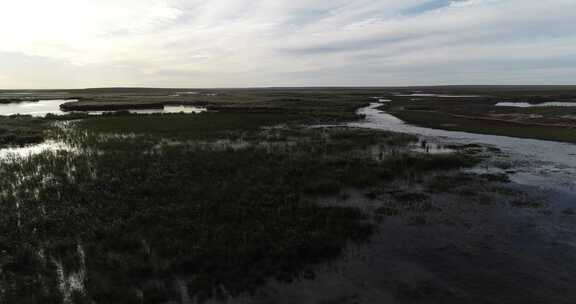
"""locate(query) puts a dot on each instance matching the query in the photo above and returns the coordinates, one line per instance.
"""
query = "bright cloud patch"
(54, 19)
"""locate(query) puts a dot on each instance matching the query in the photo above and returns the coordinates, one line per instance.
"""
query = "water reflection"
(165, 110)
(52, 106)
(30, 150)
(35, 108)
(536, 162)
(536, 105)
(425, 146)
(15, 93)
(437, 95)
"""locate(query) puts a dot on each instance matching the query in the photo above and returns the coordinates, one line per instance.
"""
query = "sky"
(260, 43)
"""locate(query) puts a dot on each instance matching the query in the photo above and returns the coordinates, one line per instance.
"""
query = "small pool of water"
(165, 110)
(14, 93)
(43, 107)
(381, 99)
(536, 105)
(37, 108)
(437, 95)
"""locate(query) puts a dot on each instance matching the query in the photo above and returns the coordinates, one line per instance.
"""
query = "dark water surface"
(473, 252)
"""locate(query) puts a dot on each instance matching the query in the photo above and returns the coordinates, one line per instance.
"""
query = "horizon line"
(293, 87)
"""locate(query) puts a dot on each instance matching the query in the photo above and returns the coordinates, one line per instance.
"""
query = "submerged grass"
(130, 223)
(223, 220)
(132, 219)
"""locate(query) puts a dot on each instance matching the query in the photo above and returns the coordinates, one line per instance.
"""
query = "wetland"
(308, 195)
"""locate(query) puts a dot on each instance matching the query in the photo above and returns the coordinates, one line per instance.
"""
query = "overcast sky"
(240, 43)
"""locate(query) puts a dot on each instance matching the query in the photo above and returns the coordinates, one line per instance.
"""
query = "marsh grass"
(125, 219)
(445, 121)
(219, 219)
(22, 130)
(206, 125)
(228, 219)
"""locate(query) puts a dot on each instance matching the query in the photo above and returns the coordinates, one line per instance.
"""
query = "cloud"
(426, 7)
(285, 42)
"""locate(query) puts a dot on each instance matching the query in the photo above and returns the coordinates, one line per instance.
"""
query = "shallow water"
(165, 110)
(30, 150)
(43, 107)
(193, 93)
(536, 162)
(536, 105)
(38, 109)
(437, 95)
(15, 94)
(381, 99)
(470, 252)
(500, 255)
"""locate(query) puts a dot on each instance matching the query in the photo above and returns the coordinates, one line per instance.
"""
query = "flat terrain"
(441, 120)
(464, 108)
(473, 109)
(270, 197)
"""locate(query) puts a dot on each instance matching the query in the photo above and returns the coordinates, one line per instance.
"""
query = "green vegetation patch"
(129, 225)
(449, 122)
(221, 220)
(185, 125)
(21, 130)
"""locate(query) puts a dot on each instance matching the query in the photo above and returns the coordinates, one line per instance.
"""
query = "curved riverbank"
(543, 162)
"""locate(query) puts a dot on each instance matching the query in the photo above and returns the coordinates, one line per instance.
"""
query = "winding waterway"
(535, 162)
(501, 254)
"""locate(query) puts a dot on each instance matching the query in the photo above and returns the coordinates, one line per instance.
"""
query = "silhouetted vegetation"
(126, 219)
(144, 208)
(21, 130)
(443, 121)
